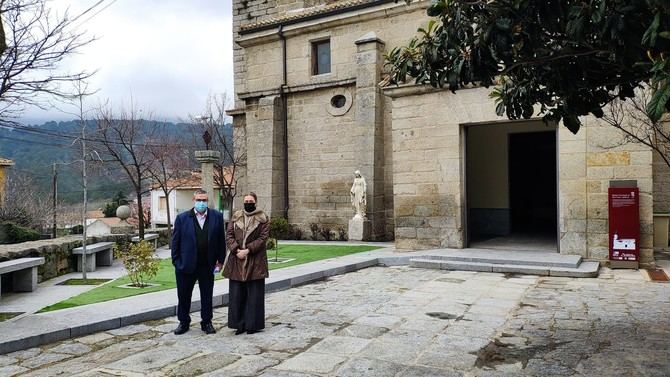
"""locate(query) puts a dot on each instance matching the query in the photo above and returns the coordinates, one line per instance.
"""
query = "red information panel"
(624, 219)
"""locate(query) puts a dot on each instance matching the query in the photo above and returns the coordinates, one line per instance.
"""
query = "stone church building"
(442, 169)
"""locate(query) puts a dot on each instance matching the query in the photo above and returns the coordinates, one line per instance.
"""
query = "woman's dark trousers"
(246, 306)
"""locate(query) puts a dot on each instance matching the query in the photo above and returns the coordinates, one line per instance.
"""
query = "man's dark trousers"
(185, 283)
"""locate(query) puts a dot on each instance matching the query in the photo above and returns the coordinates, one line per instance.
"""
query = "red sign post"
(624, 229)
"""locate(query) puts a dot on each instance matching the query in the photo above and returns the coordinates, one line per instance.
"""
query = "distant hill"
(34, 149)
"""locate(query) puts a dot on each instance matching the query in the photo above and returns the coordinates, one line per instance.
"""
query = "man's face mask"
(200, 205)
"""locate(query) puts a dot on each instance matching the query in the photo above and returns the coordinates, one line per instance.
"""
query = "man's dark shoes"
(252, 331)
(182, 328)
(239, 331)
(208, 328)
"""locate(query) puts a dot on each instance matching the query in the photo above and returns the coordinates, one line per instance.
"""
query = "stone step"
(584, 270)
(528, 258)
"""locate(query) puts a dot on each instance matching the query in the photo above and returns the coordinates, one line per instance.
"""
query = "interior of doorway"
(511, 181)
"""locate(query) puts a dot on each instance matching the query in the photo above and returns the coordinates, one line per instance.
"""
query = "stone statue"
(359, 196)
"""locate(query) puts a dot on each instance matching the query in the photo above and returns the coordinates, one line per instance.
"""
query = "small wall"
(57, 252)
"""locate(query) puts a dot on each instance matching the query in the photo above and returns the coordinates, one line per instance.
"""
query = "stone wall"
(428, 173)
(323, 150)
(57, 252)
(661, 184)
(588, 162)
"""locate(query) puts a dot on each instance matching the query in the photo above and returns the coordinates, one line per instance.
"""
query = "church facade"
(442, 170)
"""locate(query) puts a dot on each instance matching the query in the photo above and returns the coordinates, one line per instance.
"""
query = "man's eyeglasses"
(201, 200)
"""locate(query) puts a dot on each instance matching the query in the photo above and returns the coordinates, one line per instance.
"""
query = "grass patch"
(166, 278)
(8, 315)
(82, 282)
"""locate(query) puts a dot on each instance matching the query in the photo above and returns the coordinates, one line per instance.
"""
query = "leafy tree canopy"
(568, 57)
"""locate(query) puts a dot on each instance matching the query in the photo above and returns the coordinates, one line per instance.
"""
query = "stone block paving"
(399, 321)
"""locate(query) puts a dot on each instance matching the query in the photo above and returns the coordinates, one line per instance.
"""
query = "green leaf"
(657, 103)
(572, 123)
(436, 8)
(649, 36)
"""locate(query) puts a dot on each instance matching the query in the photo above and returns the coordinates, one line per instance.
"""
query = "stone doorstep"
(528, 258)
(34, 336)
(585, 269)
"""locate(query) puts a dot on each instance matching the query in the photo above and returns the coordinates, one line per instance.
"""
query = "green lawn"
(166, 279)
(84, 282)
(9, 315)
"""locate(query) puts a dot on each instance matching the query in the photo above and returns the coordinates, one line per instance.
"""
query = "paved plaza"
(399, 321)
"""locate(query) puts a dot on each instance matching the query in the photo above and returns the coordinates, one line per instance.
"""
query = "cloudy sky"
(167, 54)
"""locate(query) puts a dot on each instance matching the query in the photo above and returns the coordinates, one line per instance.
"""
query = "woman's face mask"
(249, 207)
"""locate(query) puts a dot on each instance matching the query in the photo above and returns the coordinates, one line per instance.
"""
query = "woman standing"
(247, 267)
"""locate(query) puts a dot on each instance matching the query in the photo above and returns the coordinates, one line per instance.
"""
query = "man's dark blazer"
(184, 249)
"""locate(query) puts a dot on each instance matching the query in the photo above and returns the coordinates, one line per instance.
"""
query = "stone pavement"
(399, 321)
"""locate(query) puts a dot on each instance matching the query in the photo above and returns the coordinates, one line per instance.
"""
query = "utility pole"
(55, 195)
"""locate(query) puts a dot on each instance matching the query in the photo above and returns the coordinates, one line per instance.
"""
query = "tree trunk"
(169, 219)
(140, 213)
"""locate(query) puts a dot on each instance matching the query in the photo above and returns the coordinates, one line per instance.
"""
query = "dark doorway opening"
(512, 187)
(532, 183)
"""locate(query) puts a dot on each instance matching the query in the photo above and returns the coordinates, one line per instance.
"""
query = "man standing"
(198, 245)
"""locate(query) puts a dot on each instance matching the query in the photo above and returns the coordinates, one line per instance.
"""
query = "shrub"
(139, 260)
(12, 233)
(295, 232)
(77, 229)
(316, 230)
(278, 230)
(342, 233)
(110, 208)
(326, 233)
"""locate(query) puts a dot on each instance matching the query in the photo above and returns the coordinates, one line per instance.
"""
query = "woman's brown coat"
(255, 266)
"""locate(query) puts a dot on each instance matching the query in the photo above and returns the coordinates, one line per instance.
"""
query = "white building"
(180, 199)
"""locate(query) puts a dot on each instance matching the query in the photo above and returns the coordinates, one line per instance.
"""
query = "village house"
(442, 169)
(181, 198)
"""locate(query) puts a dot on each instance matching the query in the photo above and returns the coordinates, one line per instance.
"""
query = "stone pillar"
(370, 124)
(265, 155)
(207, 159)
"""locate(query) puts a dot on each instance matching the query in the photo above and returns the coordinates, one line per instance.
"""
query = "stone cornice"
(325, 22)
(294, 89)
(405, 90)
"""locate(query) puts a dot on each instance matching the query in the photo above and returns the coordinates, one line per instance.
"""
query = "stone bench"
(148, 237)
(24, 273)
(101, 252)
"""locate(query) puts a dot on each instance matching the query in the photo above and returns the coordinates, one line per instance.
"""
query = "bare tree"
(631, 118)
(232, 147)
(25, 205)
(77, 100)
(34, 41)
(123, 137)
(170, 167)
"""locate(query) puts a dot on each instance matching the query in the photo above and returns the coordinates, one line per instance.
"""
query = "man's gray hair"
(199, 192)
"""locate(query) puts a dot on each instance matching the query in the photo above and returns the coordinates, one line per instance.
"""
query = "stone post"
(207, 159)
(370, 122)
(4, 164)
